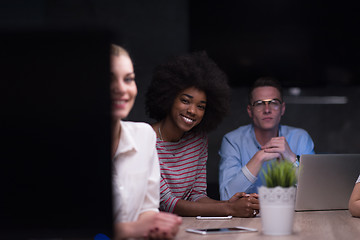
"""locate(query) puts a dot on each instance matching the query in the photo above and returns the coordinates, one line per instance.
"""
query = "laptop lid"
(55, 163)
(326, 181)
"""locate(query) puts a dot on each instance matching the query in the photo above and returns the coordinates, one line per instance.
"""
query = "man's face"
(266, 116)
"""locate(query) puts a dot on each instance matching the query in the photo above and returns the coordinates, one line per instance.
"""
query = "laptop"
(326, 181)
(55, 163)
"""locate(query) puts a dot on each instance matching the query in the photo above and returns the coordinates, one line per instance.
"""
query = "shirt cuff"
(248, 174)
(148, 210)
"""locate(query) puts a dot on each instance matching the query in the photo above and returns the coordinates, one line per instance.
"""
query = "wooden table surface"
(307, 225)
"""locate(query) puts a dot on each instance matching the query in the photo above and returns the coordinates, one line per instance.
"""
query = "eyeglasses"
(274, 104)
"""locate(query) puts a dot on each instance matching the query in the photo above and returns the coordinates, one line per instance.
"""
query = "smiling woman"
(189, 96)
(135, 162)
(187, 112)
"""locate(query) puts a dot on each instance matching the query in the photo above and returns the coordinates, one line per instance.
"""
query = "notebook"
(326, 181)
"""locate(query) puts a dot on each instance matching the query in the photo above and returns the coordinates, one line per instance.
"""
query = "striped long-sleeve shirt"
(183, 170)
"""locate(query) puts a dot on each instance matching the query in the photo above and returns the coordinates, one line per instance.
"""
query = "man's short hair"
(265, 82)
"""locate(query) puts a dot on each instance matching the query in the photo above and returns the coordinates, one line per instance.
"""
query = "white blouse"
(136, 173)
(358, 180)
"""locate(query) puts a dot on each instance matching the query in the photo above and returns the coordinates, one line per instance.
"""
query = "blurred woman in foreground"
(136, 174)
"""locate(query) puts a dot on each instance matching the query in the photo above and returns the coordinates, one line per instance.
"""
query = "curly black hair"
(182, 72)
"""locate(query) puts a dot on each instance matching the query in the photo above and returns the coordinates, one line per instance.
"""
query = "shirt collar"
(257, 144)
(280, 132)
(254, 137)
(127, 142)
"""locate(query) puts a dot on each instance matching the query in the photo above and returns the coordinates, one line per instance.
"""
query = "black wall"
(300, 42)
(152, 31)
(305, 44)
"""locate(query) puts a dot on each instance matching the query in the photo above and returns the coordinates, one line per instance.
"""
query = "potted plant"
(277, 198)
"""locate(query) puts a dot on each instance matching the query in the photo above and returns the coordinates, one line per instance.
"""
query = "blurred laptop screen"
(326, 181)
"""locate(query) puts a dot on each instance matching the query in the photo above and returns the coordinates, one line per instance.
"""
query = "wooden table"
(307, 225)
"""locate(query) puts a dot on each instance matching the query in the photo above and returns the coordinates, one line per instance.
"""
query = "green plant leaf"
(280, 173)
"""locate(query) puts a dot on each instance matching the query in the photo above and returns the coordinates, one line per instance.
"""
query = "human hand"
(245, 206)
(281, 146)
(255, 195)
(150, 225)
(256, 162)
(266, 155)
(161, 225)
(237, 196)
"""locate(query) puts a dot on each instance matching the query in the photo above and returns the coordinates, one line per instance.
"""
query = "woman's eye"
(184, 101)
(202, 107)
(129, 79)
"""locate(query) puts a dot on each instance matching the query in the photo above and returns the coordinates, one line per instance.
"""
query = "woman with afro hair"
(188, 97)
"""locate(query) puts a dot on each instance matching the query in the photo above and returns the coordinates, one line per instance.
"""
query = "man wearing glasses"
(247, 150)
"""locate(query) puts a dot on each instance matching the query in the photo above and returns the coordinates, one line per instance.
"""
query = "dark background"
(302, 43)
(55, 135)
(310, 46)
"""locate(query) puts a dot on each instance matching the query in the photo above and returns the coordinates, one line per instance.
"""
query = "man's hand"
(281, 146)
(255, 163)
(264, 156)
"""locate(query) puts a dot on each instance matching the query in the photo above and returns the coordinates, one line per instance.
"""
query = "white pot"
(277, 207)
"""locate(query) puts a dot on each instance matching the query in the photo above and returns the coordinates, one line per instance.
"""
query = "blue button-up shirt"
(240, 145)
